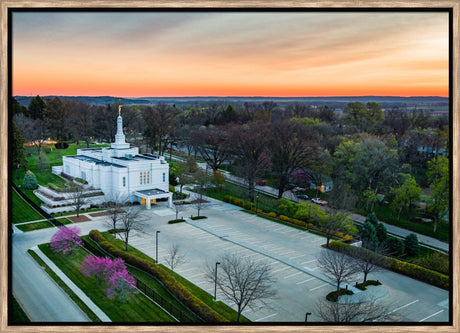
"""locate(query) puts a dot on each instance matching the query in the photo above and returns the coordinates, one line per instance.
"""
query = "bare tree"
(78, 198)
(115, 211)
(201, 180)
(212, 146)
(249, 144)
(367, 261)
(244, 281)
(130, 220)
(175, 257)
(178, 209)
(291, 147)
(354, 308)
(339, 266)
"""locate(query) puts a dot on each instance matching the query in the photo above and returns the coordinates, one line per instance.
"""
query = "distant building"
(120, 172)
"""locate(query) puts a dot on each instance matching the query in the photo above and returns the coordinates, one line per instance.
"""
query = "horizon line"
(197, 96)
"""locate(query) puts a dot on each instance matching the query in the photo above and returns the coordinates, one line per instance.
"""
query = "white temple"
(120, 171)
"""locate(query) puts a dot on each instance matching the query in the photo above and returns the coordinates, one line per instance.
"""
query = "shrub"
(82, 181)
(30, 181)
(398, 266)
(198, 217)
(47, 150)
(334, 296)
(395, 246)
(189, 300)
(61, 145)
(176, 221)
(436, 261)
(272, 214)
(411, 245)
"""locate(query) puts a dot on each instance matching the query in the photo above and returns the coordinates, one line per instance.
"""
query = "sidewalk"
(85, 299)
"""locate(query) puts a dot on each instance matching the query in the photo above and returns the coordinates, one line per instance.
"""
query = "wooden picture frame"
(101, 4)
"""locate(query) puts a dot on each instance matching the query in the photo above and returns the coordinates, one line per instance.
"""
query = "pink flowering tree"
(121, 284)
(95, 266)
(113, 272)
(66, 239)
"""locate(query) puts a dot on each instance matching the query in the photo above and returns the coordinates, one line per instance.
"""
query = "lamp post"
(257, 203)
(17, 172)
(158, 231)
(215, 282)
(306, 316)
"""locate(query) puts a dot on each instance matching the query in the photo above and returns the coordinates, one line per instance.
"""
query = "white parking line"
(434, 314)
(402, 307)
(281, 269)
(305, 280)
(267, 317)
(250, 255)
(306, 262)
(293, 275)
(323, 285)
(297, 256)
(275, 262)
(284, 253)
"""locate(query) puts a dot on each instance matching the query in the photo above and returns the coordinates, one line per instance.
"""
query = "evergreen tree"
(368, 235)
(411, 245)
(381, 233)
(395, 246)
(30, 181)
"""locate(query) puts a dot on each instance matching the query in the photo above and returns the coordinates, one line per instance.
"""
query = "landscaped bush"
(272, 214)
(199, 217)
(54, 187)
(189, 300)
(30, 181)
(66, 176)
(176, 221)
(82, 181)
(435, 261)
(61, 145)
(398, 266)
(334, 296)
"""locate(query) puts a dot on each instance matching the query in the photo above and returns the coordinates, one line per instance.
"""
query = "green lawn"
(385, 214)
(136, 308)
(19, 316)
(219, 307)
(40, 225)
(22, 212)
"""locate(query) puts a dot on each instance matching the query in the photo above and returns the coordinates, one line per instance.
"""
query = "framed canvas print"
(244, 166)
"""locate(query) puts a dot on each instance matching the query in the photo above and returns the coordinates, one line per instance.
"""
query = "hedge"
(176, 221)
(408, 269)
(185, 296)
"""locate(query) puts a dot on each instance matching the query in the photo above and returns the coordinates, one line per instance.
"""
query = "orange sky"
(230, 54)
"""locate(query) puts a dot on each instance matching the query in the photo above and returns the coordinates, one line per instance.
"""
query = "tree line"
(369, 153)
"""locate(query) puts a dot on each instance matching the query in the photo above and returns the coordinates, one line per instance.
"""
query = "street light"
(158, 231)
(215, 282)
(306, 316)
(257, 203)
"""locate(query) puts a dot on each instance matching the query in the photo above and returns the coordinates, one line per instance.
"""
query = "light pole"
(158, 231)
(306, 316)
(257, 202)
(215, 282)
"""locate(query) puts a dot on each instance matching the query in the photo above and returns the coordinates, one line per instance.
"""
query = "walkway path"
(89, 303)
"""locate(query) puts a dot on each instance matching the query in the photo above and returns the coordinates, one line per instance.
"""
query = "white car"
(319, 201)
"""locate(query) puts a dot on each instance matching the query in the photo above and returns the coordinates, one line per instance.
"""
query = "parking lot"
(291, 254)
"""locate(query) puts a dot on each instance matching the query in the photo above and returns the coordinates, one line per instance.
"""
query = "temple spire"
(120, 136)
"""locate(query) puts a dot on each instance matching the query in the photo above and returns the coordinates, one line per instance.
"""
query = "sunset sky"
(142, 54)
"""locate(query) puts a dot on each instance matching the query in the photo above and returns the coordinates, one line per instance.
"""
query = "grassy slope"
(219, 307)
(136, 308)
(22, 212)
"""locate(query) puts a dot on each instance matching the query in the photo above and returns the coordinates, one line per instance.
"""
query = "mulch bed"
(81, 218)
(99, 214)
(198, 200)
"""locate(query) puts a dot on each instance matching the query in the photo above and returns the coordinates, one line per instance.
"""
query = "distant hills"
(334, 102)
